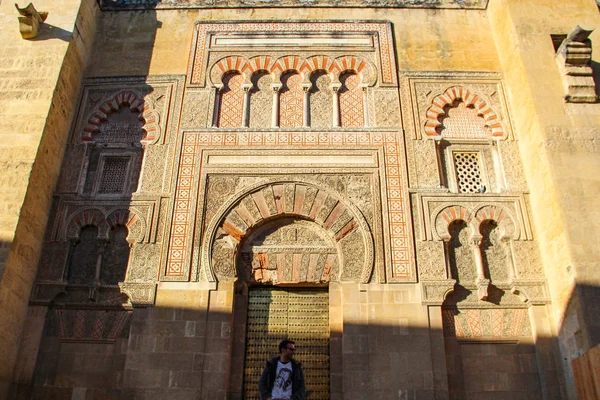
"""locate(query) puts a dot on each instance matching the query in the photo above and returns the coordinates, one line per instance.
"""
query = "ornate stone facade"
(291, 155)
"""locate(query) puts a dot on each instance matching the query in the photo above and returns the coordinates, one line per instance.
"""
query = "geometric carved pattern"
(463, 123)
(467, 172)
(180, 238)
(351, 102)
(114, 173)
(261, 100)
(291, 100)
(382, 42)
(119, 5)
(486, 323)
(449, 100)
(320, 100)
(291, 63)
(89, 325)
(325, 224)
(232, 101)
(136, 102)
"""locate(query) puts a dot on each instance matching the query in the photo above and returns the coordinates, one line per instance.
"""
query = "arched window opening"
(231, 101)
(261, 100)
(82, 268)
(352, 112)
(291, 101)
(320, 100)
(493, 253)
(116, 257)
(460, 256)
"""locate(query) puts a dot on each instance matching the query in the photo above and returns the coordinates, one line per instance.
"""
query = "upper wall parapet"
(118, 5)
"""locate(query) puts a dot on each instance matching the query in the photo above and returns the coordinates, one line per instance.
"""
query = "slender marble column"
(366, 106)
(217, 105)
(336, 103)
(246, 110)
(306, 104)
(275, 117)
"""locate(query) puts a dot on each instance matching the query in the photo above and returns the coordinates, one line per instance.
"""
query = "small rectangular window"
(114, 175)
(468, 172)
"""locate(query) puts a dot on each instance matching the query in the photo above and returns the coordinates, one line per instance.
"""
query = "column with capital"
(246, 87)
(306, 105)
(482, 282)
(275, 117)
(335, 88)
(217, 106)
(365, 104)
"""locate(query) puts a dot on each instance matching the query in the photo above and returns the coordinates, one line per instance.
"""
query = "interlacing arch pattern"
(440, 104)
(136, 102)
(305, 67)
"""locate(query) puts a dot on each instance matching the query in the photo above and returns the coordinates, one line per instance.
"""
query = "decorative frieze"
(182, 4)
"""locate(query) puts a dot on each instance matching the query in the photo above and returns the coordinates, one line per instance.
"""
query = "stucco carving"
(304, 66)
(486, 324)
(278, 61)
(234, 221)
(440, 104)
(156, 4)
(139, 294)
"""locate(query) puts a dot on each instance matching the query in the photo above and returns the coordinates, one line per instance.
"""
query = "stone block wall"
(390, 335)
(39, 84)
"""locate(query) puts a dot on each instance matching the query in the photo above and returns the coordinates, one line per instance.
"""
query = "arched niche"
(288, 250)
(276, 205)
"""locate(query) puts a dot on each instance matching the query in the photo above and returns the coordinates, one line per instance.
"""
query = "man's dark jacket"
(267, 380)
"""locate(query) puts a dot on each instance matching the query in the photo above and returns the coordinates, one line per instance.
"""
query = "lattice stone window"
(468, 172)
(114, 175)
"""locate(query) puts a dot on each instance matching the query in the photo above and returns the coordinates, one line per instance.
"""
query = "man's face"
(289, 350)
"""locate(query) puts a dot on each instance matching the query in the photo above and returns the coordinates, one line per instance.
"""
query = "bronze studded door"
(301, 315)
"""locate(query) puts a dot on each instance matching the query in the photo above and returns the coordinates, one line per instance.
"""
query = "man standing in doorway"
(282, 378)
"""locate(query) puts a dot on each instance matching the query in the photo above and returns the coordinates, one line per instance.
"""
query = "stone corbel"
(531, 291)
(574, 58)
(140, 294)
(482, 288)
(434, 292)
(31, 20)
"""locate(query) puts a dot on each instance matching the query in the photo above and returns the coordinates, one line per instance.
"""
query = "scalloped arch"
(137, 102)
(437, 111)
(235, 221)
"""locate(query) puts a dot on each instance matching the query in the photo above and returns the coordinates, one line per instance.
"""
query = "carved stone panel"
(214, 166)
(156, 4)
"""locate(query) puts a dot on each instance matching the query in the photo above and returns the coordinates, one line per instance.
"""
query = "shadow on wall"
(49, 32)
(76, 296)
(580, 330)
(189, 352)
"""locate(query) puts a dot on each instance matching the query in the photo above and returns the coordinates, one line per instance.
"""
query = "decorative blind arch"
(437, 111)
(136, 102)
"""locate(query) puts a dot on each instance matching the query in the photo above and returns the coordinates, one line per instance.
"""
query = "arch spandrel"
(351, 257)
